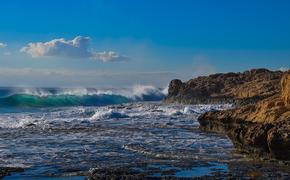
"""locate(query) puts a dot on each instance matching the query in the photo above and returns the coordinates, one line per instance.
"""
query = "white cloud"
(75, 48)
(109, 56)
(2, 45)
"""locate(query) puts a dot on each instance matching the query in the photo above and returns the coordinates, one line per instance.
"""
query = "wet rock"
(251, 138)
(234, 170)
(258, 170)
(114, 174)
(30, 125)
(278, 139)
(6, 171)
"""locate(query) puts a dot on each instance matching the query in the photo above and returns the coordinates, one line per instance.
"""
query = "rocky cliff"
(262, 128)
(241, 88)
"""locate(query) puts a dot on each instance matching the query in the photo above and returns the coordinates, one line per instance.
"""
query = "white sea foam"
(108, 114)
(33, 91)
(77, 115)
(83, 136)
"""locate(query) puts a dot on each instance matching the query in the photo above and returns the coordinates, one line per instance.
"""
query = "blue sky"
(125, 42)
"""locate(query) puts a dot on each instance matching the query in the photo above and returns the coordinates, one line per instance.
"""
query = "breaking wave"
(42, 97)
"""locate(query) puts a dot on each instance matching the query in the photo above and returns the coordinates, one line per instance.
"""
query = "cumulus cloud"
(75, 48)
(2, 45)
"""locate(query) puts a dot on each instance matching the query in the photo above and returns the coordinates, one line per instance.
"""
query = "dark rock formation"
(245, 87)
(115, 174)
(6, 171)
(262, 128)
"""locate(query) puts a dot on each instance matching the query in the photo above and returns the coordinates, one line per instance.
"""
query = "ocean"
(62, 133)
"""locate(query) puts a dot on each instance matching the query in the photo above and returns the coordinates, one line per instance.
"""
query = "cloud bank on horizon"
(40, 77)
(75, 48)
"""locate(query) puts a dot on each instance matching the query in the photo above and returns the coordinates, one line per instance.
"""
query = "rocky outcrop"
(262, 128)
(241, 88)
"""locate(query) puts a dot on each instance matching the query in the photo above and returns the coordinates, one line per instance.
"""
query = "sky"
(120, 43)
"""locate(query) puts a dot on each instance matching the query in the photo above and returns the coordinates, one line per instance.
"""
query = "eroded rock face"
(263, 128)
(248, 86)
(285, 83)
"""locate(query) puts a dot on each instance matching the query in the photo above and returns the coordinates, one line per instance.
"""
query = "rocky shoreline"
(264, 140)
(260, 125)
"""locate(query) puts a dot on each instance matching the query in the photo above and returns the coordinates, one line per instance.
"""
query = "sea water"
(65, 133)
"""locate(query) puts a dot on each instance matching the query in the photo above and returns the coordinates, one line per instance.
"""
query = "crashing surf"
(49, 97)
